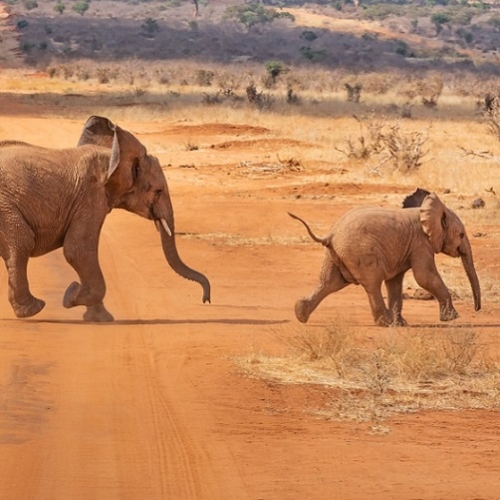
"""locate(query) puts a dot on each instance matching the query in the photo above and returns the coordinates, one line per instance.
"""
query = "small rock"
(478, 203)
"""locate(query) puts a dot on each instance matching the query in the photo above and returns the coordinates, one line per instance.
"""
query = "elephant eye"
(135, 169)
(462, 235)
(158, 192)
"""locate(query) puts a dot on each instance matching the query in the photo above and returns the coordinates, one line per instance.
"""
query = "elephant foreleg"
(395, 298)
(92, 288)
(331, 280)
(427, 276)
(97, 313)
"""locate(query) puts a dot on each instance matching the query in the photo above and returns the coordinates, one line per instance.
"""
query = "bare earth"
(152, 406)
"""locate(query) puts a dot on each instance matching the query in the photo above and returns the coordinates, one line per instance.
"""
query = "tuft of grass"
(411, 370)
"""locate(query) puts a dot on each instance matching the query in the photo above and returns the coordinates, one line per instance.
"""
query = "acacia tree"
(438, 19)
(255, 13)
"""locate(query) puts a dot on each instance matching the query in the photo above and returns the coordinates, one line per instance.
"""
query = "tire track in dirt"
(179, 463)
(169, 445)
(122, 421)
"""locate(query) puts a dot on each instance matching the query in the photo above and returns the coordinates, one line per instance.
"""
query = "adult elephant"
(368, 246)
(53, 198)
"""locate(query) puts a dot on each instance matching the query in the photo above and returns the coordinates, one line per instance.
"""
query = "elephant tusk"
(157, 225)
(165, 226)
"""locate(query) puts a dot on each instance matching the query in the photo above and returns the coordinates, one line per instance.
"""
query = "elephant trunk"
(468, 263)
(175, 262)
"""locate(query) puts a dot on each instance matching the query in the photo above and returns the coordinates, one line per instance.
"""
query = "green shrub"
(402, 48)
(81, 7)
(59, 8)
(275, 69)
(30, 4)
(26, 47)
(308, 36)
(381, 11)
(150, 27)
(438, 19)
(254, 13)
(312, 55)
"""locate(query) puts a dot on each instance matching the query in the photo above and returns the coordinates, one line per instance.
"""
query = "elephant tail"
(324, 241)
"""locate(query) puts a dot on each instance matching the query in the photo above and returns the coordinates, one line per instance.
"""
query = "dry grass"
(406, 371)
(240, 240)
(324, 122)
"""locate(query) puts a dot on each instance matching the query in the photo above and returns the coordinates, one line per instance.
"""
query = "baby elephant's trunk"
(324, 241)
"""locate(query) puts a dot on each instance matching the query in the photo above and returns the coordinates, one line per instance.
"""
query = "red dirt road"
(152, 406)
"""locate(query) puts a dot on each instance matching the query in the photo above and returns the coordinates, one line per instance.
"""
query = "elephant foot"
(382, 321)
(98, 314)
(30, 309)
(71, 295)
(399, 321)
(448, 313)
(302, 310)
(390, 318)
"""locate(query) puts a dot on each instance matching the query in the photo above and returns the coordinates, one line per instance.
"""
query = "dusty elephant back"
(363, 237)
(366, 221)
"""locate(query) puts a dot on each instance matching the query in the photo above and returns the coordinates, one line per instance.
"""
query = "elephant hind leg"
(331, 280)
(381, 314)
(395, 298)
(22, 301)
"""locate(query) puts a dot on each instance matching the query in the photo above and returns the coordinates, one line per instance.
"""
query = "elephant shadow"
(162, 321)
(452, 325)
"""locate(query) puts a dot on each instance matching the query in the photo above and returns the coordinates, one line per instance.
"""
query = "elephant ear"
(416, 198)
(126, 153)
(98, 131)
(434, 220)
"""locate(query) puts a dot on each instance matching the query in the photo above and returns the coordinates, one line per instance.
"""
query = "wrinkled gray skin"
(59, 198)
(370, 246)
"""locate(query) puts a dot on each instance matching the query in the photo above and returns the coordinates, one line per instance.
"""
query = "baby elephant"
(368, 246)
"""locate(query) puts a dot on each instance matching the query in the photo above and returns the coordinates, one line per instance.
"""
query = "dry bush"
(492, 115)
(439, 369)
(333, 344)
(229, 81)
(406, 151)
(430, 90)
(260, 100)
(291, 96)
(105, 75)
(211, 99)
(353, 92)
(368, 143)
